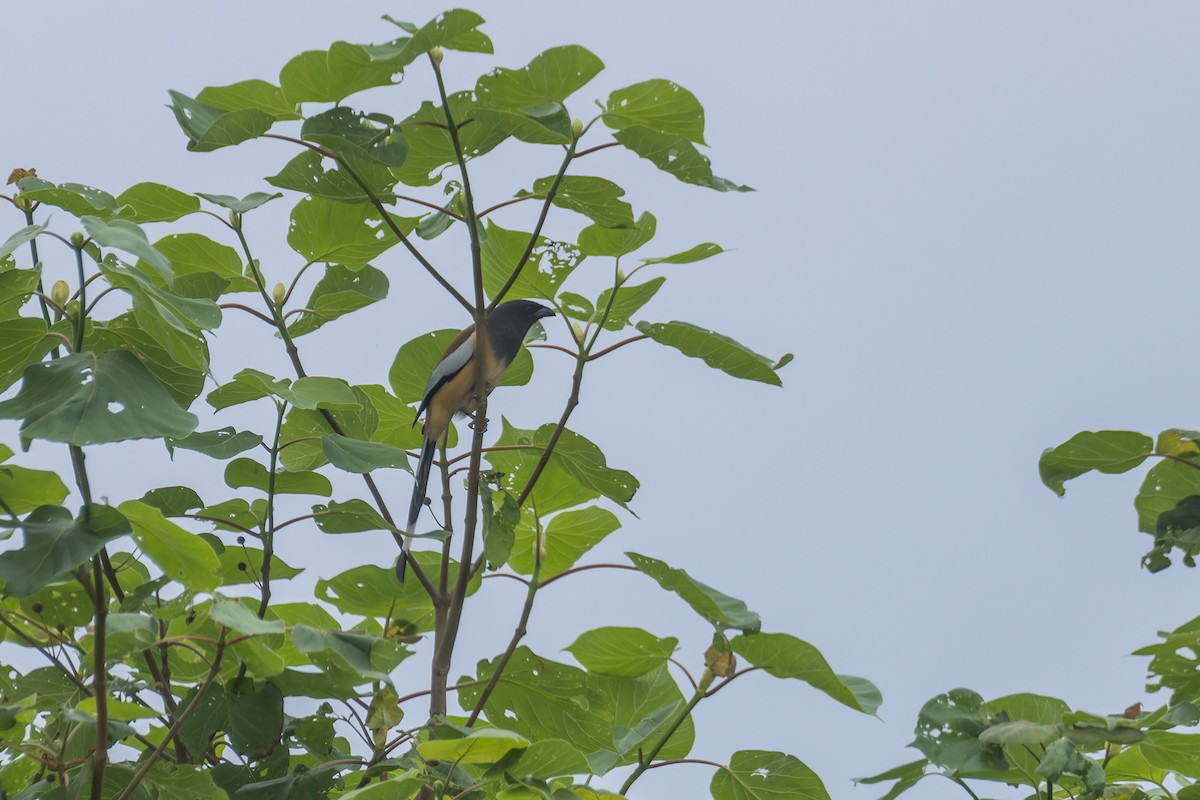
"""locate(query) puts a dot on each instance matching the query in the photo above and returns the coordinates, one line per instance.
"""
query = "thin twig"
(591, 150)
(248, 310)
(608, 350)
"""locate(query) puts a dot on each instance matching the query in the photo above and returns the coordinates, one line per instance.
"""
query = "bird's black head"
(509, 323)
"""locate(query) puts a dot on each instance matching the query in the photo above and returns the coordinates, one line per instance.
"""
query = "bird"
(450, 391)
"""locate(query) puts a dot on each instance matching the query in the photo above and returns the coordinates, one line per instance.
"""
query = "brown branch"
(518, 632)
(387, 217)
(686, 672)
(100, 679)
(687, 761)
(729, 680)
(608, 350)
(434, 206)
(584, 568)
(520, 199)
(537, 229)
(591, 150)
(571, 353)
(178, 724)
(248, 310)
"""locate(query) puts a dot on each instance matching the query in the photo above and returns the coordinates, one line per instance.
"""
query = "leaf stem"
(518, 633)
(268, 528)
(537, 229)
(100, 681)
(644, 761)
(33, 251)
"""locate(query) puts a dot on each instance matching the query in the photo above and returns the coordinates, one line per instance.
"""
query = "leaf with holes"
(549, 263)
(210, 128)
(766, 775)
(598, 199)
(86, 398)
(676, 156)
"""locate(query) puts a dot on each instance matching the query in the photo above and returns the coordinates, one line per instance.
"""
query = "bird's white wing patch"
(448, 367)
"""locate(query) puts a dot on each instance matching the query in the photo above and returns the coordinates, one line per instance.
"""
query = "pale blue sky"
(975, 225)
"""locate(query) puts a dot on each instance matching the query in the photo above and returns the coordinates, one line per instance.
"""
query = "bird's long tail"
(414, 507)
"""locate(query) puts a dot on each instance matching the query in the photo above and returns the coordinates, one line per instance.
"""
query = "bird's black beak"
(544, 312)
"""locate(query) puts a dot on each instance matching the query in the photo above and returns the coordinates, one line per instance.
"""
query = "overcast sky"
(975, 224)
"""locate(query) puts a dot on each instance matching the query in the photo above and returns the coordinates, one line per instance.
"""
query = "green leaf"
(312, 393)
(545, 123)
(237, 616)
(349, 234)
(252, 94)
(499, 525)
(548, 758)
(1111, 452)
(906, 776)
(357, 423)
(177, 782)
(1166, 485)
(721, 610)
(541, 699)
(596, 240)
(16, 287)
(241, 564)
(628, 300)
(220, 444)
(560, 485)
(55, 544)
(622, 652)
(246, 386)
(341, 291)
(154, 202)
(719, 352)
(363, 141)
(430, 148)
(174, 321)
(245, 472)
(210, 128)
(374, 592)
(247, 203)
(355, 455)
(549, 264)
(552, 76)
(23, 341)
(766, 775)
(598, 199)
(23, 489)
(255, 717)
(127, 236)
(194, 254)
(486, 746)
(785, 656)
(1176, 752)
(129, 633)
(676, 156)
(181, 555)
(691, 255)
(339, 651)
(659, 105)
(74, 198)
(124, 332)
(23, 236)
(352, 516)
(948, 728)
(306, 173)
(569, 535)
(1019, 732)
(334, 74)
(86, 398)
